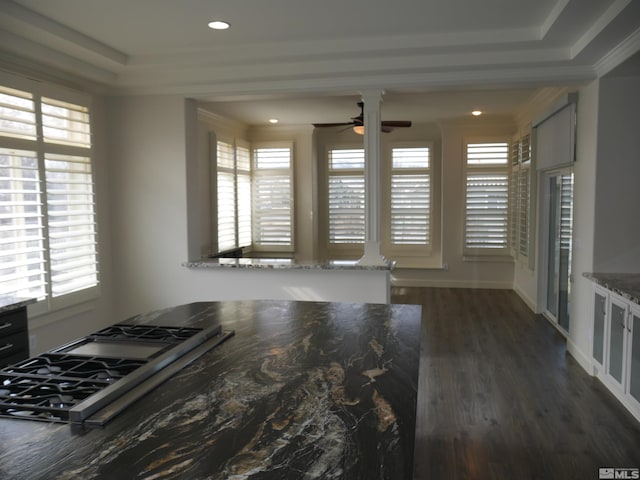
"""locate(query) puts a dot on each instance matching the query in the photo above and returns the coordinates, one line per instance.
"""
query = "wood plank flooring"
(499, 397)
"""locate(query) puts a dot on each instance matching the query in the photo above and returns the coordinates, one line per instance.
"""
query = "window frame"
(497, 169)
(522, 181)
(256, 173)
(406, 250)
(235, 145)
(45, 147)
(339, 250)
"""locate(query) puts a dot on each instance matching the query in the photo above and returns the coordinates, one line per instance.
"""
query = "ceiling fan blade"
(396, 123)
(333, 124)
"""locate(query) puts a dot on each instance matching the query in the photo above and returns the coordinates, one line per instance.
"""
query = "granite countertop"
(9, 302)
(626, 285)
(285, 264)
(303, 390)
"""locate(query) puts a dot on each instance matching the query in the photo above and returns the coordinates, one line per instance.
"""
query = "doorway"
(557, 246)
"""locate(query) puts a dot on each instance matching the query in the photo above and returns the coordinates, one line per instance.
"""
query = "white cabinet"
(618, 313)
(616, 346)
(633, 356)
(600, 305)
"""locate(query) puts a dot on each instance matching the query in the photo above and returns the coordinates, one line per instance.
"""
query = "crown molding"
(27, 21)
(621, 52)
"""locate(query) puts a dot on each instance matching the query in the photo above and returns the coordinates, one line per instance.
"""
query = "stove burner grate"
(103, 369)
(49, 399)
(146, 333)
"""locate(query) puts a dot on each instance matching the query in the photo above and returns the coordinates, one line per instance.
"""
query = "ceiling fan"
(358, 123)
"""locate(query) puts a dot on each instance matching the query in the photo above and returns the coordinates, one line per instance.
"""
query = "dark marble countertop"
(303, 390)
(626, 285)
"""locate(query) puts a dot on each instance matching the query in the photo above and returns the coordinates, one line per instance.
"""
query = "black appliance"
(92, 379)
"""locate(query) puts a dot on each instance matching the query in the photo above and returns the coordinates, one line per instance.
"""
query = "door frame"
(544, 196)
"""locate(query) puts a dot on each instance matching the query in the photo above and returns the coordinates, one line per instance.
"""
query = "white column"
(372, 255)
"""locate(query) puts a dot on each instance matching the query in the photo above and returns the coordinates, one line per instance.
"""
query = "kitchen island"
(302, 390)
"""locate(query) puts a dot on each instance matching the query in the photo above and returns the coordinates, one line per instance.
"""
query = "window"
(272, 198)
(233, 195)
(410, 210)
(486, 198)
(47, 214)
(520, 199)
(405, 201)
(346, 196)
(254, 196)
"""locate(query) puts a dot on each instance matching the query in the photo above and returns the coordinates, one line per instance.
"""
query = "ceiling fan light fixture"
(358, 129)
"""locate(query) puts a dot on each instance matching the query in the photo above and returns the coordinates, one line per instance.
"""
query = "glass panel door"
(558, 264)
(634, 365)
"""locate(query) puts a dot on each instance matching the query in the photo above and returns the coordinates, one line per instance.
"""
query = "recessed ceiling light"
(273, 120)
(476, 113)
(219, 25)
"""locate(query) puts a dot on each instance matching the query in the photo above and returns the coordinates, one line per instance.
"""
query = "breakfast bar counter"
(302, 390)
(291, 279)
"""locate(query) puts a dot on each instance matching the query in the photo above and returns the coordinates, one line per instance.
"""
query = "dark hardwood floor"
(499, 397)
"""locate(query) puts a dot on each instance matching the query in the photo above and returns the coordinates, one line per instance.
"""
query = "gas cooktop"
(95, 377)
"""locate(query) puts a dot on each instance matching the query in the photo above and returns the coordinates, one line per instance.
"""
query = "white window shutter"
(487, 198)
(17, 114)
(48, 213)
(272, 198)
(346, 196)
(22, 262)
(410, 196)
(226, 194)
(243, 179)
(71, 223)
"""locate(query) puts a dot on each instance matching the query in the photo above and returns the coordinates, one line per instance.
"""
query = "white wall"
(149, 202)
(617, 229)
(579, 342)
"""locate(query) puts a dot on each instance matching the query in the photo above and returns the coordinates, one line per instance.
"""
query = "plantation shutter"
(17, 114)
(520, 198)
(48, 229)
(243, 178)
(346, 196)
(71, 222)
(22, 262)
(272, 198)
(70, 197)
(523, 211)
(487, 197)
(225, 161)
(410, 196)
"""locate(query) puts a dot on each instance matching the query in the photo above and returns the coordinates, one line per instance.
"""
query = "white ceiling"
(307, 61)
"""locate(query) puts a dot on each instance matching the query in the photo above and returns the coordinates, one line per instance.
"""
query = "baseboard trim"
(415, 282)
(526, 299)
(583, 360)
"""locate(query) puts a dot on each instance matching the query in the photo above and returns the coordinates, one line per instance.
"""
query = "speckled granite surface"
(303, 390)
(625, 284)
(284, 263)
(9, 302)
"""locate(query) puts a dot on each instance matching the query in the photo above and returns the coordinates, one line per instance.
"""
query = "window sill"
(488, 258)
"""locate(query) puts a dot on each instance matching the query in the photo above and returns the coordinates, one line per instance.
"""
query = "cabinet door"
(634, 354)
(617, 329)
(599, 316)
